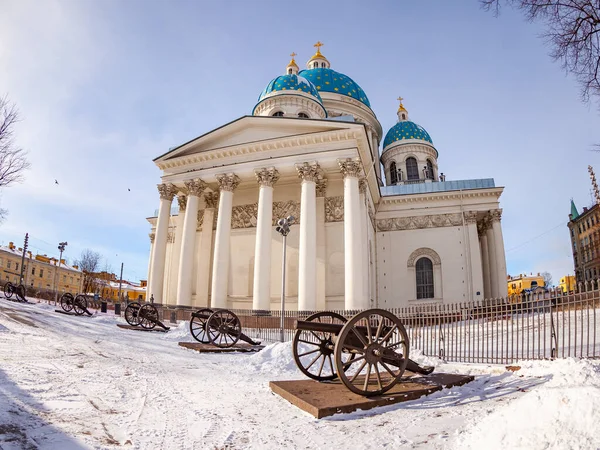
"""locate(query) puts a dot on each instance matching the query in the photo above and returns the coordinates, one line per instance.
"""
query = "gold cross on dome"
(400, 99)
(293, 54)
(319, 44)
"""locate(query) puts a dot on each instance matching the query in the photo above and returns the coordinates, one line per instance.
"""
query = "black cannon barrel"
(334, 328)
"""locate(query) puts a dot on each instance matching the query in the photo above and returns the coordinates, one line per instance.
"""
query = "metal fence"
(499, 331)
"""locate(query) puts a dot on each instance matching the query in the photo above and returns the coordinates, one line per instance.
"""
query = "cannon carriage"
(77, 304)
(368, 353)
(219, 327)
(144, 316)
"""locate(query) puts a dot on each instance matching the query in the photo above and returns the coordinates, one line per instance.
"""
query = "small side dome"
(405, 129)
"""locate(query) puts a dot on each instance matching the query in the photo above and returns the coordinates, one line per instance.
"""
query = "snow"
(71, 382)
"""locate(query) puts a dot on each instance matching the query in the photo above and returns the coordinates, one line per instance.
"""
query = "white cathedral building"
(314, 149)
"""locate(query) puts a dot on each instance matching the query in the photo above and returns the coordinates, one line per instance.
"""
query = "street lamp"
(283, 228)
(61, 248)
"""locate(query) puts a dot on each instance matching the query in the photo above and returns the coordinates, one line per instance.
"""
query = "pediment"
(251, 129)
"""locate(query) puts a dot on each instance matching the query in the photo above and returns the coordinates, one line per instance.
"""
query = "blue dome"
(290, 83)
(327, 80)
(406, 129)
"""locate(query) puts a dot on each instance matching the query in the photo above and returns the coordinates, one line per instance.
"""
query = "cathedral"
(376, 223)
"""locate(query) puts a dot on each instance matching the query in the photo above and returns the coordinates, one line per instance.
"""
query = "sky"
(105, 87)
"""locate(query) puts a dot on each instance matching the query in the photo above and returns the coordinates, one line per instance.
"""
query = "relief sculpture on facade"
(244, 216)
(418, 222)
(334, 209)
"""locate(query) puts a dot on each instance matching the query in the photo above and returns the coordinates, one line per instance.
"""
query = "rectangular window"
(16, 266)
(41, 273)
(64, 278)
(33, 271)
(0, 262)
(8, 264)
(71, 280)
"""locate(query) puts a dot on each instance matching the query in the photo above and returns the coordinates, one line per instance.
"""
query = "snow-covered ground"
(80, 382)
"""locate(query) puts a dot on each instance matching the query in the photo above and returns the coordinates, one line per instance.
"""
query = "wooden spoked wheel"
(148, 316)
(379, 343)
(66, 302)
(80, 304)
(313, 350)
(198, 325)
(132, 313)
(224, 328)
(9, 289)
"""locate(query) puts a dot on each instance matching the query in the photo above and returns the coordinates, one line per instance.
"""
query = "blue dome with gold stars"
(291, 83)
(328, 80)
(406, 129)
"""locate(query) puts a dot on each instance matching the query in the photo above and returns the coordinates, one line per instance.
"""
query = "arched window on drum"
(393, 173)
(412, 169)
(424, 272)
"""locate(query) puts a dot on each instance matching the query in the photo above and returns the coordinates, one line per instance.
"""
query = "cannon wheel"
(367, 373)
(132, 313)
(8, 290)
(80, 304)
(313, 349)
(224, 328)
(66, 302)
(198, 326)
(148, 316)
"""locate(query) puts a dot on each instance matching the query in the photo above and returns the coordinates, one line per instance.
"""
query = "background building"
(521, 282)
(41, 271)
(584, 230)
(107, 285)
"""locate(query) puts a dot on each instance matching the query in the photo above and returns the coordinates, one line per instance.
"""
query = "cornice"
(432, 196)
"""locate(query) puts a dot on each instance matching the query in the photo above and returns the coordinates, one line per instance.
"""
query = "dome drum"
(290, 106)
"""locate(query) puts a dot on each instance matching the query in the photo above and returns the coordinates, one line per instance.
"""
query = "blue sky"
(105, 87)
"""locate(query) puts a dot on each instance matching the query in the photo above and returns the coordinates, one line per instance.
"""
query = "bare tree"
(547, 279)
(13, 160)
(573, 33)
(89, 263)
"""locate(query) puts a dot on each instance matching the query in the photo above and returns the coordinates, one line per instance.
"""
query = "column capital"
(195, 187)
(362, 185)
(322, 187)
(182, 201)
(211, 199)
(349, 168)
(228, 181)
(470, 217)
(482, 227)
(267, 176)
(167, 191)
(152, 236)
(309, 171)
(496, 215)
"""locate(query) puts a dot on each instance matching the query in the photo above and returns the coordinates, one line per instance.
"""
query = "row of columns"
(493, 259)
(355, 242)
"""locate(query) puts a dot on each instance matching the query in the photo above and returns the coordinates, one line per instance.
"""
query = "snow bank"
(274, 359)
(563, 412)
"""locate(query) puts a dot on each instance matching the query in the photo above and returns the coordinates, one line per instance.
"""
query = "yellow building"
(517, 284)
(108, 287)
(42, 273)
(567, 284)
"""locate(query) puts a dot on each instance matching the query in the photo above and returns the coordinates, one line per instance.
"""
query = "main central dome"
(328, 80)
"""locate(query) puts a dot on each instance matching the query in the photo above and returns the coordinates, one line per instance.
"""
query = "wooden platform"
(327, 399)
(209, 348)
(129, 327)
(71, 313)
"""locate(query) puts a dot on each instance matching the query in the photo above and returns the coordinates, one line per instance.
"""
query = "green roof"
(574, 213)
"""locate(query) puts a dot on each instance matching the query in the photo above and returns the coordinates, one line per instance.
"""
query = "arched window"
(303, 115)
(323, 65)
(412, 170)
(290, 71)
(316, 65)
(430, 170)
(424, 270)
(278, 114)
(393, 173)
(403, 116)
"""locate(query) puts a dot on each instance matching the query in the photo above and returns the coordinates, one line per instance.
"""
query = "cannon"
(77, 304)
(369, 352)
(219, 327)
(145, 316)
(17, 290)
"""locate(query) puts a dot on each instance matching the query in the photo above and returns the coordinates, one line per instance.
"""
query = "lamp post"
(61, 248)
(283, 228)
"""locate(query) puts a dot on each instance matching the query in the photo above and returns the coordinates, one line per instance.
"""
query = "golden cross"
(293, 54)
(400, 99)
(319, 44)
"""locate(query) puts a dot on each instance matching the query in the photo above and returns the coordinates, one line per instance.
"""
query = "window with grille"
(393, 173)
(424, 269)
(429, 170)
(412, 170)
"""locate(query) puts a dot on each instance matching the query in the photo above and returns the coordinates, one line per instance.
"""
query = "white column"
(364, 232)
(321, 246)
(485, 260)
(492, 262)
(157, 277)
(227, 184)
(475, 256)
(188, 242)
(500, 255)
(261, 295)
(307, 263)
(152, 236)
(205, 249)
(173, 266)
(353, 278)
